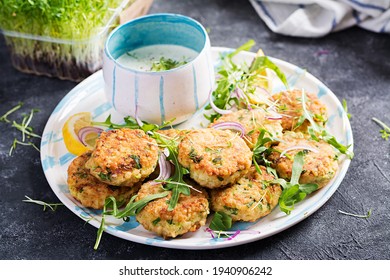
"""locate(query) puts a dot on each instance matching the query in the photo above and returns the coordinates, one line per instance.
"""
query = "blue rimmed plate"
(89, 96)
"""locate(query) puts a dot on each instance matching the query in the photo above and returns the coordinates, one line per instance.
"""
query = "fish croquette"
(123, 157)
(290, 107)
(189, 214)
(88, 190)
(215, 158)
(319, 167)
(251, 198)
(253, 121)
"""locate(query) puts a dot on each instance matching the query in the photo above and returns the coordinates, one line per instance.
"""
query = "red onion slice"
(165, 169)
(299, 147)
(84, 131)
(216, 109)
(230, 125)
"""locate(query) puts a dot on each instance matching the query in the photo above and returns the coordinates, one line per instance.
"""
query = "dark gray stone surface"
(357, 68)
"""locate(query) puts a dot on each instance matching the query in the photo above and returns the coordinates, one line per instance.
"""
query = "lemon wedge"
(71, 129)
(263, 85)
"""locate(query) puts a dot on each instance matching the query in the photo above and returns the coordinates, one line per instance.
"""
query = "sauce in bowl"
(157, 57)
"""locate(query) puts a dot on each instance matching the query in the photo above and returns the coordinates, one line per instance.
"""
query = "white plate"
(89, 96)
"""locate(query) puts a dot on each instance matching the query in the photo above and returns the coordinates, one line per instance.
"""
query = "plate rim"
(205, 246)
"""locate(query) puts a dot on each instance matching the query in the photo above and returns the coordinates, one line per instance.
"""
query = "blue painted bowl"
(158, 96)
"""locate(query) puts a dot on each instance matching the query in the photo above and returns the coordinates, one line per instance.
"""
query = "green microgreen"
(294, 192)
(345, 107)
(232, 77)
(51, 206)
(318, 132)
(165, 64)
(4, 118)
(24, 127)
(386, 129)
(261, 152)
(132, 208)
(176, 182)
(357, 215)
(17, 142)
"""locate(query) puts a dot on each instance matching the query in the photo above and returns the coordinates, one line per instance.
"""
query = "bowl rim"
(206, 46)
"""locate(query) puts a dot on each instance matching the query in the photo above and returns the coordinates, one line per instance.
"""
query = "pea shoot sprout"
(356, 215)
(386, 129)
(51, 206)
(24, 127)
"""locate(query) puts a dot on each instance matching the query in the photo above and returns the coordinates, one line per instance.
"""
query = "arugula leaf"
(176, 182)
(221, 222)
(261, 152)
(132, 208)
(294, 192)
(318, 132)
(263, 62)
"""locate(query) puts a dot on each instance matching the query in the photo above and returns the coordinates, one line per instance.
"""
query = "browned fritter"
(253, 121)
(88, 190)
(319, 168)
(123, 157)
(215, 158)
(251, 198)
(290, 106)
(189, 214)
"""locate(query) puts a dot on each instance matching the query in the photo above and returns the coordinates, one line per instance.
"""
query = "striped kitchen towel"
(316, 18)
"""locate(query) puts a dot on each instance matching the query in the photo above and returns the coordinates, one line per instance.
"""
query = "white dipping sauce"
(143, 58)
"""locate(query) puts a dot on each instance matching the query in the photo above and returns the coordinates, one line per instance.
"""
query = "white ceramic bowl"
(158, 96)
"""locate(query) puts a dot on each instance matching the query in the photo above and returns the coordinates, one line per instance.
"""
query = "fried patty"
(253, 122)
(290, 106)
(123, 157)
(251, 198)
(215, 158)
(319, 167)
(91, 192)
(189, 214)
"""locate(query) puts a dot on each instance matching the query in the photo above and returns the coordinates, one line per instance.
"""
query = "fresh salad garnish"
(238, 85)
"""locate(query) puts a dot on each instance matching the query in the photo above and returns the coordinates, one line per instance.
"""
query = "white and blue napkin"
(316, 18)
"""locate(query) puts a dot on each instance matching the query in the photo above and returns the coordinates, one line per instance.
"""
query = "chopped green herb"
(165, 64)
(386, 129)
(136, 159)
(156, 221)
(194, 156)
(105, 176)
(217, 160)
